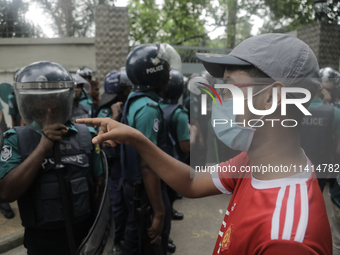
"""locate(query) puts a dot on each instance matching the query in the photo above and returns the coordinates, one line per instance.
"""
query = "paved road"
(197, 233)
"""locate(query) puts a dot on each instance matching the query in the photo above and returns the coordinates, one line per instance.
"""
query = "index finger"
(48, 120)
(93, 121)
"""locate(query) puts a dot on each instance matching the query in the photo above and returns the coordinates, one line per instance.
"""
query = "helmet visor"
(42, 107)
(169, 54)
(124, 80)
(80, 80)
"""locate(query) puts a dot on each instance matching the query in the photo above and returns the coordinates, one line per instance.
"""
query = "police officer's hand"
(156, 228)
(116, 110)
(111, 132)
(52, 133)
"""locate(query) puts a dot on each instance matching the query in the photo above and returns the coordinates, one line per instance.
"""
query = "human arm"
(199, 133)
(13, 121)
(147, 121)
(152, 187)
(178, 178)
(180, 118)
(18, 180)
(193, 134)
(116, 110)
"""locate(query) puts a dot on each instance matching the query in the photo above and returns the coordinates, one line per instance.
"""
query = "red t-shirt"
(282, 216)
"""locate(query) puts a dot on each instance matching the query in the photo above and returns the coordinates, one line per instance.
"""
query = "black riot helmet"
(175, 88)
(44, 72)
(85, 72)
(148, 65)
(328, 74)
(44, 92)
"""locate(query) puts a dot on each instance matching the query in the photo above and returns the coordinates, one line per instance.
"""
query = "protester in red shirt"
(270, 212)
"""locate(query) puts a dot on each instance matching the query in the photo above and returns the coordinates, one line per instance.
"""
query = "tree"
(177, 22)
(227, 13)
(283, 16)
(12, 22)
(72, 17)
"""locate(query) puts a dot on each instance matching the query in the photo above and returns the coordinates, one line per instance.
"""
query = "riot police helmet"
(85, 72)
(115, 82)
(81, 82)
(328, 74)
(175, 88)
(44, 91)
(148, 65)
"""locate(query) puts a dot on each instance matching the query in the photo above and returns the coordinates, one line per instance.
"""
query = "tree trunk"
(231, 26)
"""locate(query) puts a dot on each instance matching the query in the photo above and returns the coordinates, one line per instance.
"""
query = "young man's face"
(78, 91)
(94, 92)
(234, 77)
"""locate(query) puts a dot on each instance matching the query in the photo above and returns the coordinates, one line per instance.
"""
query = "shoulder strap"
(128, 102)
(168, 113)
(28, 140)
(84, 137)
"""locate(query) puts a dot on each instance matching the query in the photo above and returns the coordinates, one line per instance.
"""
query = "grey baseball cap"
(280, 56)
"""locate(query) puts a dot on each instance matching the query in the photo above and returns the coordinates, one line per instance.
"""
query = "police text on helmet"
(154, 69)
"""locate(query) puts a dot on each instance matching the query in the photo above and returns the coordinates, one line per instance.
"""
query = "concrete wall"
(324, 40)
(71, 53)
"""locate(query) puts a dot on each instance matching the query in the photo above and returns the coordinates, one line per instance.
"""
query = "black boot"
(176, 215)
(171, 247)
(6, 210)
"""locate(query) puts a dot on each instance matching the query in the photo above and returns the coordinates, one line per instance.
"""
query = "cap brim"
(215, 63)
(106, 99)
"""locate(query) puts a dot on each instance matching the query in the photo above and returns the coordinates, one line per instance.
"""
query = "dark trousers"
(55, 241)
(133, 233)
(118, 205)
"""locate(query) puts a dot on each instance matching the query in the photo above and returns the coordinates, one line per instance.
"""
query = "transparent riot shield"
(100, 238)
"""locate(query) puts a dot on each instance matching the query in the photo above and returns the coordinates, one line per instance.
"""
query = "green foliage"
(12, 23)
(72, 17)
(177, 22)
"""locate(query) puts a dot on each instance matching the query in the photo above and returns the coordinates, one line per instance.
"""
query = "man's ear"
(268, 96)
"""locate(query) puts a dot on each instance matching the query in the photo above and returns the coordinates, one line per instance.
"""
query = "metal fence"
(188, 53)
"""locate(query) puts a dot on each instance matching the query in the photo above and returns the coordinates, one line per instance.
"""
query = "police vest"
(112, 152)
(168, 113)
(316, 134)
(79, 112)
(130, 159)
(41, 207)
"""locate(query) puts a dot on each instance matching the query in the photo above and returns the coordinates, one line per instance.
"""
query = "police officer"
(176, 117)
(148, 68)
(79, 111)
(85, 98)
(317, 130)
(85, 72)
(27, 164)
(13, 106)
(5, 208)
(117, 88)
(330, 82)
